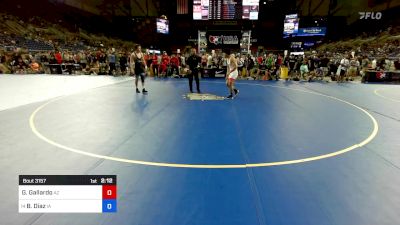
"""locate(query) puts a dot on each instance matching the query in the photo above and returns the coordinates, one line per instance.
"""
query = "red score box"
(109, 191)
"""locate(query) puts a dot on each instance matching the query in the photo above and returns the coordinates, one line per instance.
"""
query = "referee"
(193, 63)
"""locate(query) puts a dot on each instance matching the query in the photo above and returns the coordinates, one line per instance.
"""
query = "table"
(213, 72)
(66, 67)
(381, 76)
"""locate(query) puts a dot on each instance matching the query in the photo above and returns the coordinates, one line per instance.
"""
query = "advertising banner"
(223, 39)
(312, 31)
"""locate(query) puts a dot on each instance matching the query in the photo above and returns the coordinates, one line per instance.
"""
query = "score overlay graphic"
(67, 194)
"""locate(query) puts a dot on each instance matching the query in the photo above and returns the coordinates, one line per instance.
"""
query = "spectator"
(102, 59)
(324, 64)
(155, 65)
(83, 59)
(353, 69)
(58, 57)
(148, 60)
(164, 64)
(344, 66)
(291, 64)
(20, 65)
(397, 64)
(304, 69)
(111, 63)
(3, 63)
(240, 64)
(249, 64)
(123, 61)
(175, 64)
(34, 67)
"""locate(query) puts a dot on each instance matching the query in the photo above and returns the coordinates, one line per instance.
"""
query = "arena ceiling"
(344, 8)
(117, 7)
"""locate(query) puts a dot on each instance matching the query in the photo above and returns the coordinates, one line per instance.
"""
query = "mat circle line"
(214, 166)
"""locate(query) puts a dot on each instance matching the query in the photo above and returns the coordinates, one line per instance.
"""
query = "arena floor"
(280, 153)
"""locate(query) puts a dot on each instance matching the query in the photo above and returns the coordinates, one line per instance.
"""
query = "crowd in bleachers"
(31, 48)
(90, 61)
(378, 53)
(264, 66)
(37, 46)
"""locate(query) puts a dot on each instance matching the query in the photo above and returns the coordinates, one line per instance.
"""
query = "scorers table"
(67, 193)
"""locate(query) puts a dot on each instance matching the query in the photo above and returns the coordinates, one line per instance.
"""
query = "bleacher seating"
(38, 46)
(73, 47)
(21, 42)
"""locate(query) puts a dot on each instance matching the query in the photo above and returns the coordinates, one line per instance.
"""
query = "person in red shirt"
(175, 64)
(262, 67)
(279, 60)
(58, 57)
(260, 60)
(154, 64)
(165, 60)
(147, 59)
(278, 64)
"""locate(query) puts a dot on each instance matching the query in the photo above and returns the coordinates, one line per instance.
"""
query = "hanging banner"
(223, 39)
(312, 31)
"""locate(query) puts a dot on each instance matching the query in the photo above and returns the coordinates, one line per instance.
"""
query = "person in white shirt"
(240, 63)
(373, 64)
(354, 65)
(344, 66)
(209, 61)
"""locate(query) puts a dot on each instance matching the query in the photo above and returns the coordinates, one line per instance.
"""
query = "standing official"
(193, 63)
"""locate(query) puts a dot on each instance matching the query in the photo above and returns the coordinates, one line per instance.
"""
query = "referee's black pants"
(194, 73)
